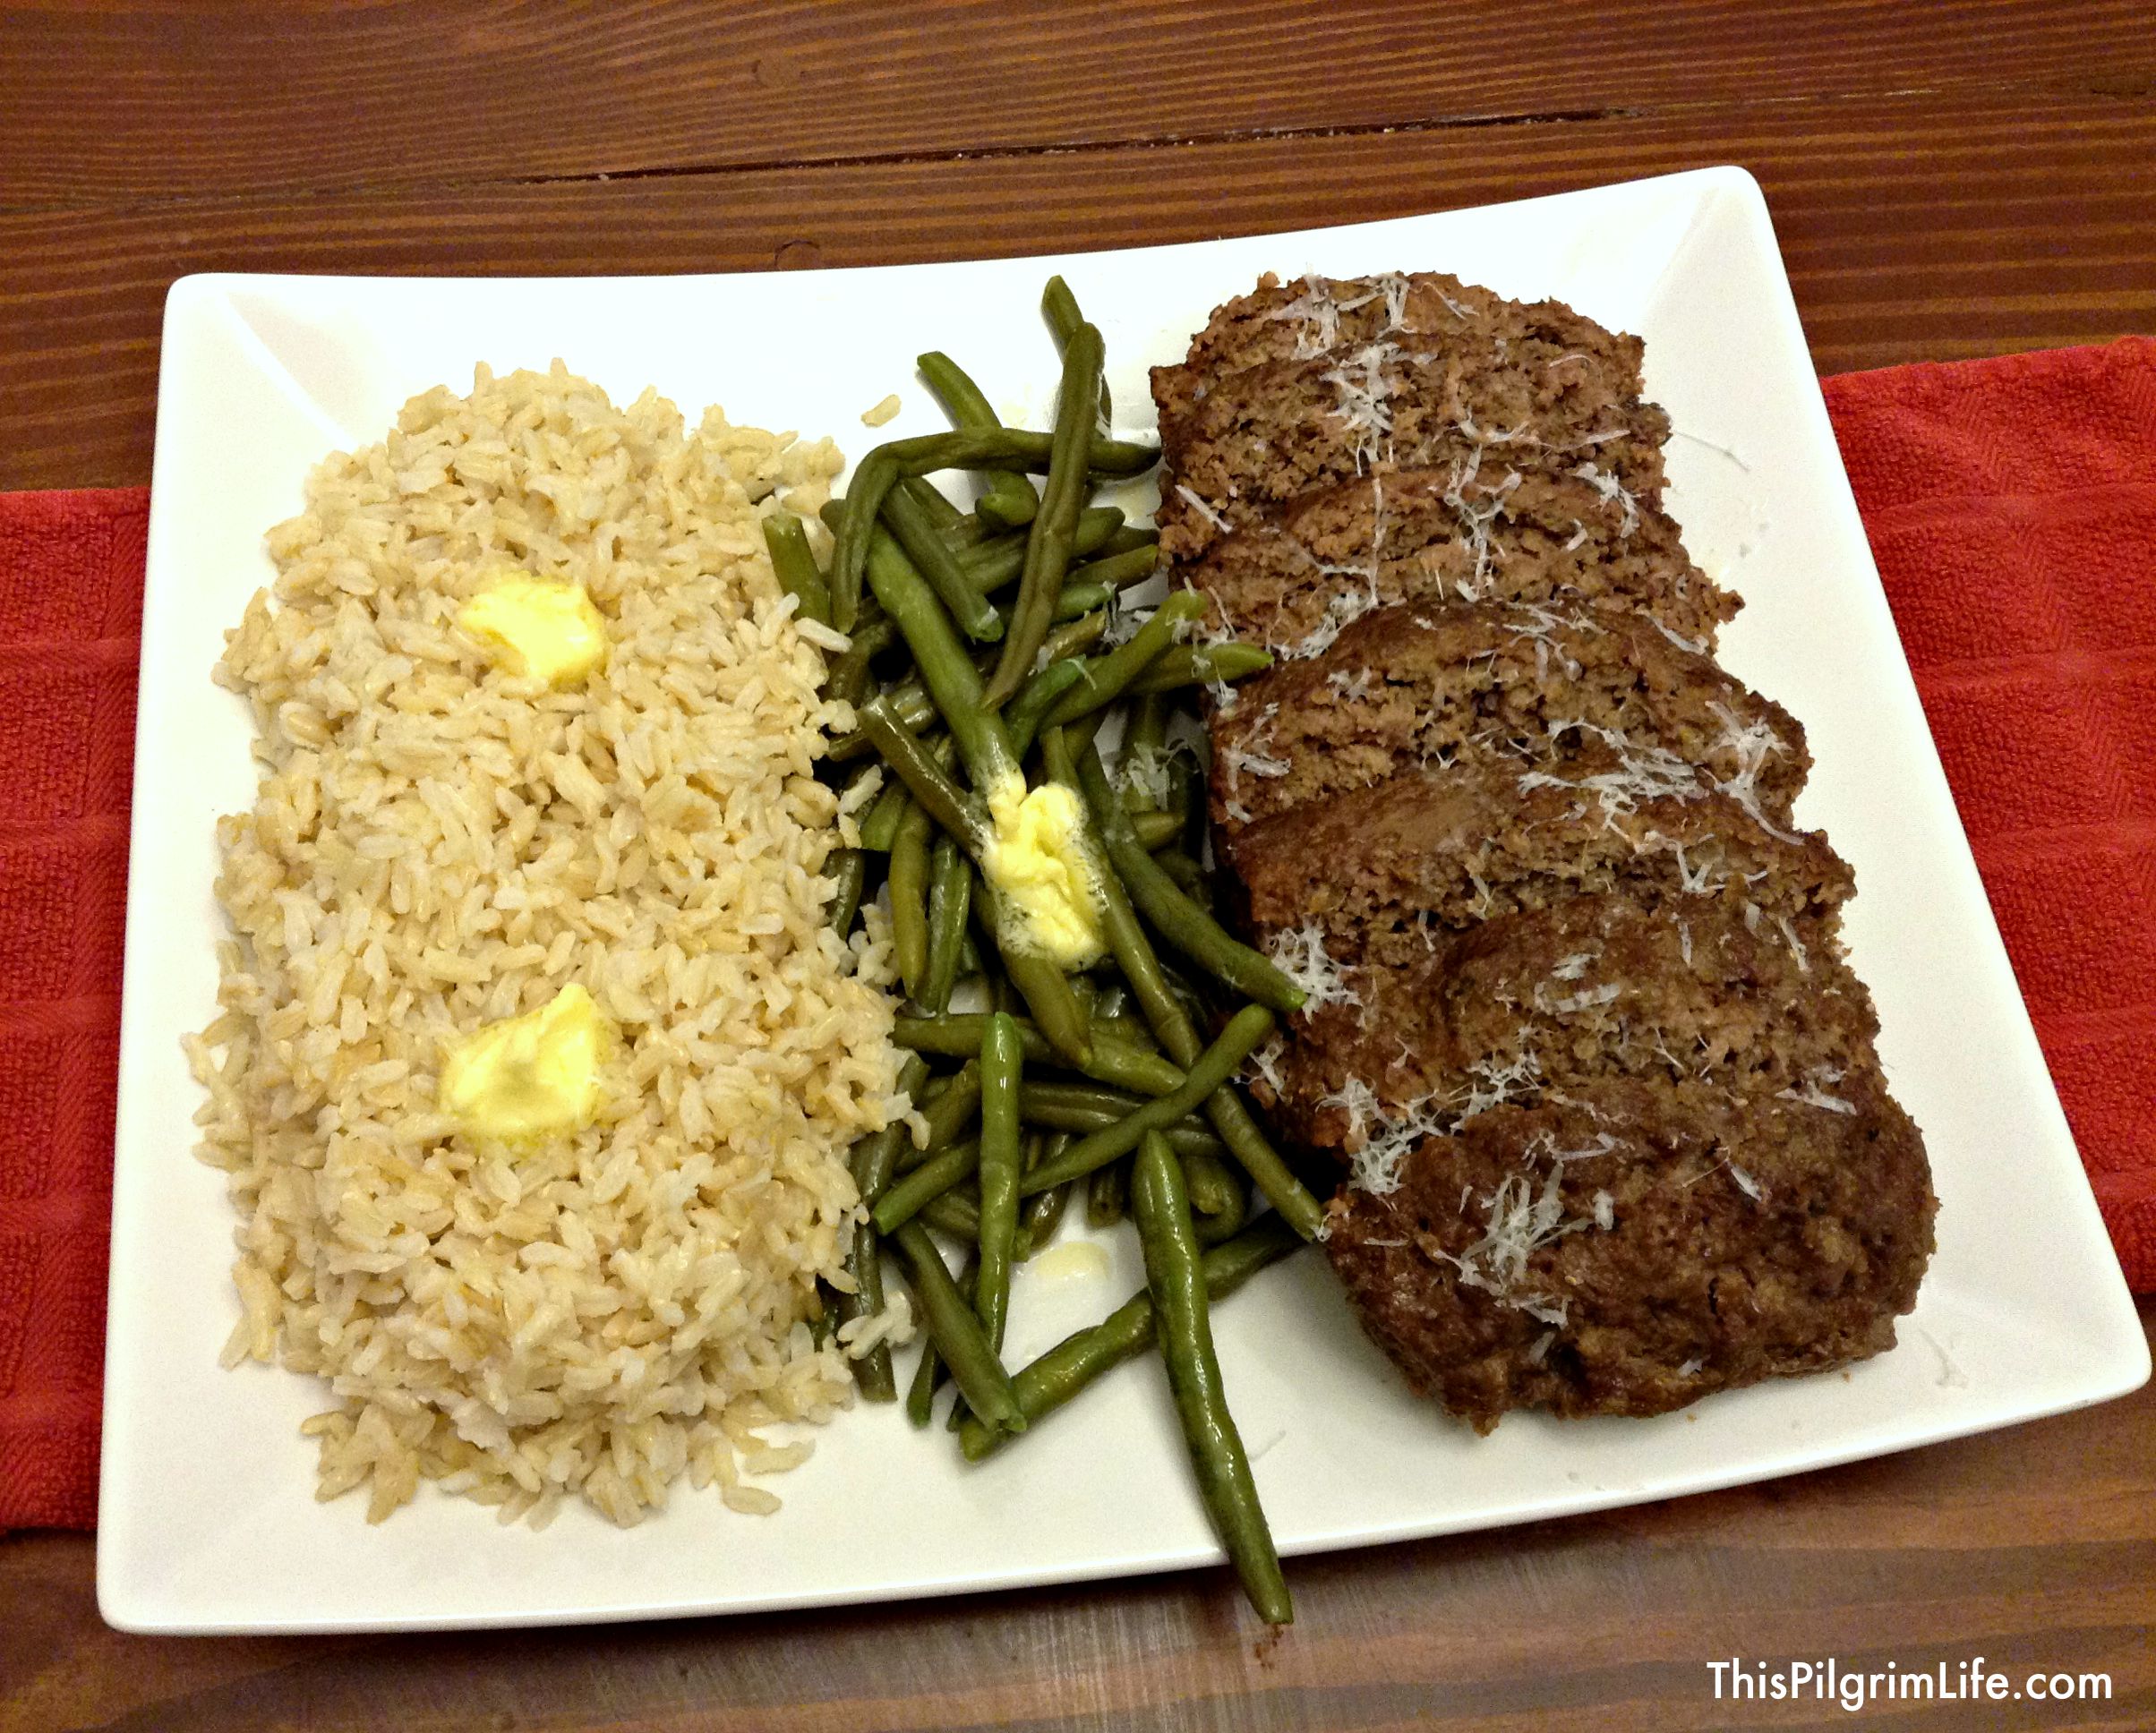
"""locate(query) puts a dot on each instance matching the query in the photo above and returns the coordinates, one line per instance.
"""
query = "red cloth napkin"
(70, 625)
(2012, 505)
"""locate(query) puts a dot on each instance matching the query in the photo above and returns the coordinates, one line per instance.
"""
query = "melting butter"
(535, 626)
(527, 1079)
(1037, 858)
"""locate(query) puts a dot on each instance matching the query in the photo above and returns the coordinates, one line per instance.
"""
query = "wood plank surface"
(1946, 179)
(325, 95)
(1915, 226)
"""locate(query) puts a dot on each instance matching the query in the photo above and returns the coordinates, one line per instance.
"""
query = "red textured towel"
(2012, 505)
(71, 625)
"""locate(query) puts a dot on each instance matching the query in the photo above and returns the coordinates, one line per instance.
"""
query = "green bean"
(1081, 1358)
(909, 522)
(930, 1373)
(1189, 877)
(957, 1212)
(906, 699)
(950, 1111)
(1186, 1136)
(925, 779)
(921, 1394)
(1111, 1057)
(909, 886)
(1186, 795)
(790, 558)
(1179, 920)
(1044, 1210)
(1107, 1193)
(1155, 831)
(1128, 537)
(1069, 639)
(1044, 1096)
(945, 669)
(1022, 716)
(874, 1158)
(950, 896)
(1006, 501)
(1106, 677)
(849, 873)
(1010, 448)
(880, 827)
(1203, 664)
(1076, 601)
(956, 1332)
(1217, 1199)
(849, 675)
(999, 560)
(1179, 1037)
(1118, 571)
(1043, 985)
(911, 1192)
(951, 523)
(864, 1263)
(1061, 308)
(1176, 1274)
(1002, 1064)
(986, 745)
(1144, 736)
(1214, 1067)
(1047, 550)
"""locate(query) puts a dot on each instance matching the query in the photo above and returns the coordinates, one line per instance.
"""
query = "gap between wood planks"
(1440, 123)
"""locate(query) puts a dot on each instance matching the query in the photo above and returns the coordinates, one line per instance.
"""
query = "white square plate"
(207, 1520)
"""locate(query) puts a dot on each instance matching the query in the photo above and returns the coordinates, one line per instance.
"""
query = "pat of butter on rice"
(596, 1312)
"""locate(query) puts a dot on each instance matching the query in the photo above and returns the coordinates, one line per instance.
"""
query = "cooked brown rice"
(435, 846)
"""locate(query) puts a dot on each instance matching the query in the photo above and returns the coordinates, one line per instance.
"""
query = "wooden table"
(1948, 180)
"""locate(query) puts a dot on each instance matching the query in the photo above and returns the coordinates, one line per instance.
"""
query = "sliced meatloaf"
(1588, 989)
(1545, 689)
(1636, 1246)
(1263, 436)
(1380, 871)
(1310, 315)
(1290, 581)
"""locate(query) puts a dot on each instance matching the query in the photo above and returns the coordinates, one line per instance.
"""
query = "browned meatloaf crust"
(1406, 686)
(1590, 988)
(1638, 1246)
(1375, 871)
(1295, 321)
(1261, 437)
(1430, 536)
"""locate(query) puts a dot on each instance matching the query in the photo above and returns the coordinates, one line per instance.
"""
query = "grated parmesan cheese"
(1299, 953)
(1612, 490)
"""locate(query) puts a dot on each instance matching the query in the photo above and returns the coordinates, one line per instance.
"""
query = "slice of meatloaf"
(1588, 989)
(1264, 436)
(1546, 689)
(1499, 534)
(1636, 1246)
(1296, 320)
(1382, 872)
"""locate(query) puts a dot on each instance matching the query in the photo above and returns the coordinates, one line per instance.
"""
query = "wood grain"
(2031, 1548)
(330, 95)
(1922, 226)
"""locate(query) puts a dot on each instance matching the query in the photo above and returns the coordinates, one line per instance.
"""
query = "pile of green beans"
(1031, 1081)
